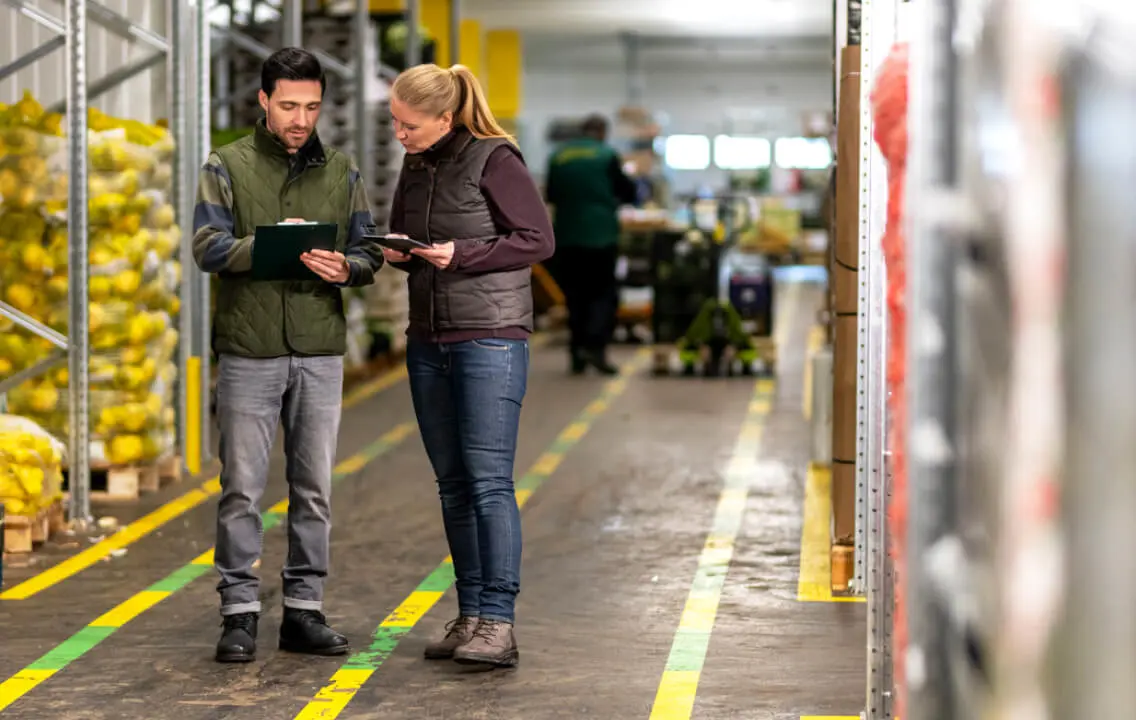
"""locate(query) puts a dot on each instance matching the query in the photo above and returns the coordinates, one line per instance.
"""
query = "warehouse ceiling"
(738, 18)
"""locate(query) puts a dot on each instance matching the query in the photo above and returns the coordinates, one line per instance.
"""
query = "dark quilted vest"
(442, 201)
(272, 319)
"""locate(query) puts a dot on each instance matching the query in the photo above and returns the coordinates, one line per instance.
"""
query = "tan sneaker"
(493, 643)
(458, 631)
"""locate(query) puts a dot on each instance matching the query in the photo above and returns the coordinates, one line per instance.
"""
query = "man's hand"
(329, 265)
(438, 255)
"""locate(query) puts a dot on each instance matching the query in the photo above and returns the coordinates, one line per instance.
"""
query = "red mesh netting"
(889, 107)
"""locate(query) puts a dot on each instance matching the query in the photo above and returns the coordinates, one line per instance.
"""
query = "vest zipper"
(430, 268)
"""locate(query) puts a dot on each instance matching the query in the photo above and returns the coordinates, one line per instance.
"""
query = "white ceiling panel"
(738, 18)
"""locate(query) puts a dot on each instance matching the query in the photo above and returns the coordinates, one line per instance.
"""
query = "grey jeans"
(253, 396)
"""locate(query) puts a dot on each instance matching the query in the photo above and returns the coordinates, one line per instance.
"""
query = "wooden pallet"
(121, 483)
(23, 534)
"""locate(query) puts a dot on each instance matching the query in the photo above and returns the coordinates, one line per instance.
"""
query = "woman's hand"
(329, 265)
(439, 256)
(396, 256)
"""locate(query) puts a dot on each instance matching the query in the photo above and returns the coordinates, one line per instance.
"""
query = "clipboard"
(276, 249)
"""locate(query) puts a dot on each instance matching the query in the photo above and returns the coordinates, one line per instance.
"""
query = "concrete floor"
(613, 537)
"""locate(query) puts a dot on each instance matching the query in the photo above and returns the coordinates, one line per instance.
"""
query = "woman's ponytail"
(473, 108)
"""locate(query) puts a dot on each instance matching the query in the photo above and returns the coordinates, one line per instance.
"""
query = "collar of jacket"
(448, 148)
(311, 154)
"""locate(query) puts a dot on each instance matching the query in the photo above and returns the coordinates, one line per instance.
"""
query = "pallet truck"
(713, 305)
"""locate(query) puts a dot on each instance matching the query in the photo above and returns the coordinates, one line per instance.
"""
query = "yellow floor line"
(678, 686)
(814, 583)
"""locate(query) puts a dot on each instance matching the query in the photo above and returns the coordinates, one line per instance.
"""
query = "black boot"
(597, 358)
(306, 631)
(238, 641)
(578, 361)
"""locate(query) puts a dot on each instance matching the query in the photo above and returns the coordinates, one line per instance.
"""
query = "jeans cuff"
(296, 604)
(240, 608)
(496, 618)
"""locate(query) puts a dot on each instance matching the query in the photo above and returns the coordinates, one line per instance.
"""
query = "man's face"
(293, 109)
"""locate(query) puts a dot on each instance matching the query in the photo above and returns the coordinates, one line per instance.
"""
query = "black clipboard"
(276, 249)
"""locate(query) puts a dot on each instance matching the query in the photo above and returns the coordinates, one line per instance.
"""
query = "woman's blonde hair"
(435, 90)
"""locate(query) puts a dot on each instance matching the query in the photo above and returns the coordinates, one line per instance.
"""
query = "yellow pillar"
(503, 68)
(435, 16)
(470, 50)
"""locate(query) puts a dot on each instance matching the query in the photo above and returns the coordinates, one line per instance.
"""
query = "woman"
(465, 189)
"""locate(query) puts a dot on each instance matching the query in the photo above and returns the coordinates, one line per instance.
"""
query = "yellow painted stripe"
(352, 465)
(103, 549)
(547, 463)
(678, 685)
(411, 610)
(21, 684)
(831, 717)
(205, 558)
(129, 609)
(523, 495)
(575, 431)
(814, 584)
(333, 697)
(373, 387)
(280, 508)
(193, 415)
(699, 613)
(675, 699)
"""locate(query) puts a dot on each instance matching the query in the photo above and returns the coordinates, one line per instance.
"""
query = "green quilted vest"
(272, 319)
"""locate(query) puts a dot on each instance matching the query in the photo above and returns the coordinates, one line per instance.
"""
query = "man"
(279, 347)
(586, 185)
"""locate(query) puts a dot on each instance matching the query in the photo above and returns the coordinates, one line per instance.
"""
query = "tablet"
(397, 242)
(276, 249)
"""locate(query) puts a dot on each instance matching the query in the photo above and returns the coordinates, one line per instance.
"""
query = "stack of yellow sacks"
(134, 276)
(31, 477)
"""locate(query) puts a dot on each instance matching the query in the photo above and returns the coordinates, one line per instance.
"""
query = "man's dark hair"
(290, 64)
(594, 126)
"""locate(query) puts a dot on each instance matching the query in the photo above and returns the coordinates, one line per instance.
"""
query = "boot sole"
(508, 660)
(322, 652)
(438, 655)
(235, 657)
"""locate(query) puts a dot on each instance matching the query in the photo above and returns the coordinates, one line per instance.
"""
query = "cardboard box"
(844, 391)
(843, 503)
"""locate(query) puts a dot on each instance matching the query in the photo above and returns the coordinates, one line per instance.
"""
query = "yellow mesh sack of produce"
(134, 276)
(31, 459)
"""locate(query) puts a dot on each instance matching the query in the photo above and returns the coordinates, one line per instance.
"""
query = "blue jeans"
(467, 397)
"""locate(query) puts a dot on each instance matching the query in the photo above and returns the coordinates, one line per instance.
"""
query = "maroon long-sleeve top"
(524, 232)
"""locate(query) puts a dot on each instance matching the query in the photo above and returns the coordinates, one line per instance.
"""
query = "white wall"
(699, 89)
(106, 52)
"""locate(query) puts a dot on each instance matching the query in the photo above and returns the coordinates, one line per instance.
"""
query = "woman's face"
(418, 131)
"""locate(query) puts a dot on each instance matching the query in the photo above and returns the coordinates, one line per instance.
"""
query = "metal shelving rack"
(181, 43)
(1020, 420)
(188, 48)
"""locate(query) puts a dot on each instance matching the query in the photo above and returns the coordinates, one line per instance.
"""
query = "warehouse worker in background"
(586, 185)
(280, 347)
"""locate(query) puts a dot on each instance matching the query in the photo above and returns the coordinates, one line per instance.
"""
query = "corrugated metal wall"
(141, 98)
